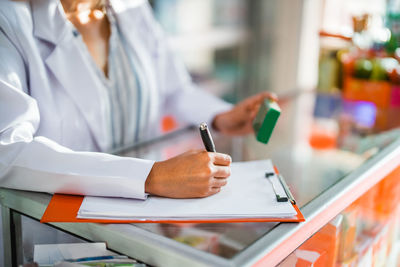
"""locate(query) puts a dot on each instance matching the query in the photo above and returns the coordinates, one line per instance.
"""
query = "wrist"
(150, 183)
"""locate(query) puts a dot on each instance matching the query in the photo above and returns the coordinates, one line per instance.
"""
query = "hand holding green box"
(264, 122)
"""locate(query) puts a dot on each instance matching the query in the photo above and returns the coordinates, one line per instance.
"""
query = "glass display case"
(324, 177)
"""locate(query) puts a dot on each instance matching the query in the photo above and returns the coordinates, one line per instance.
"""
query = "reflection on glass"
(321, 160)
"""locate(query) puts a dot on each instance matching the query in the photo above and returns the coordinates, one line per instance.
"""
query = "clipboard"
(64, 209)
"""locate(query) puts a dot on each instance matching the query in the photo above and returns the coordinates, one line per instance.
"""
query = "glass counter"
(312, 152)
(327, 163)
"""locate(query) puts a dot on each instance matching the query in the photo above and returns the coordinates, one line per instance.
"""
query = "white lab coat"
(51, 105)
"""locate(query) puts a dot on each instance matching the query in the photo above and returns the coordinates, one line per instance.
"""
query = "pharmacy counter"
(323, 181)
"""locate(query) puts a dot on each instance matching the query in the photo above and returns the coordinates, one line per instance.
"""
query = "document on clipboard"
(249, 196)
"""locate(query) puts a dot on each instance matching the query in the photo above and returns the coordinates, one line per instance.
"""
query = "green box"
(265, 121)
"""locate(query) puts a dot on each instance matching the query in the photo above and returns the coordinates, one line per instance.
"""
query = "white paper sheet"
(47, 255)
(248, 194)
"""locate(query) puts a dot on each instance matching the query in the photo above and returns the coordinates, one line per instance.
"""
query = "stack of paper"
(47, 255)
(248, 194)
(80, 255)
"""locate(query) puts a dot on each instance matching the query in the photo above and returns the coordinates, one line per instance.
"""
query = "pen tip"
(203, 126)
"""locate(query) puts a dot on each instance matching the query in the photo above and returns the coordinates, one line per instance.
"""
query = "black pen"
(287, 190)
(206, 137)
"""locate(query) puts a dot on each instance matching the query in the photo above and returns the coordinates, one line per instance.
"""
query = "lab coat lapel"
(75, 75)
(48, 20)
(70, 68)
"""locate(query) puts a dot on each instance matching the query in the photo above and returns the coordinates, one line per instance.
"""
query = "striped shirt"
(125, 91)
(128, 103)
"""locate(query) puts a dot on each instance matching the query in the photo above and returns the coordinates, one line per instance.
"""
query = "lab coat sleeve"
(182, 98)
(35, 163)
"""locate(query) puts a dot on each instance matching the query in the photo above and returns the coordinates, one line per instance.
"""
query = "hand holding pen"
(194, 174)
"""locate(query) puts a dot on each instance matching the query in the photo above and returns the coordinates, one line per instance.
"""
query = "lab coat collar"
(51, 25)
(49, 21)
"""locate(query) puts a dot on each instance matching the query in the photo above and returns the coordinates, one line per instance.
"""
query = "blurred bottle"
(362, 37)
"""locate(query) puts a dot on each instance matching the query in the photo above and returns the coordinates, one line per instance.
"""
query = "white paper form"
(248, 194)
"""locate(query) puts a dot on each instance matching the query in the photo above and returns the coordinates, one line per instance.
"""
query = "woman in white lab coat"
(55, 107)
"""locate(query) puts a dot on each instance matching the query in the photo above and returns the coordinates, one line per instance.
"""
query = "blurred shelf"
(216, 87)
(217, 38)
(331, 43)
